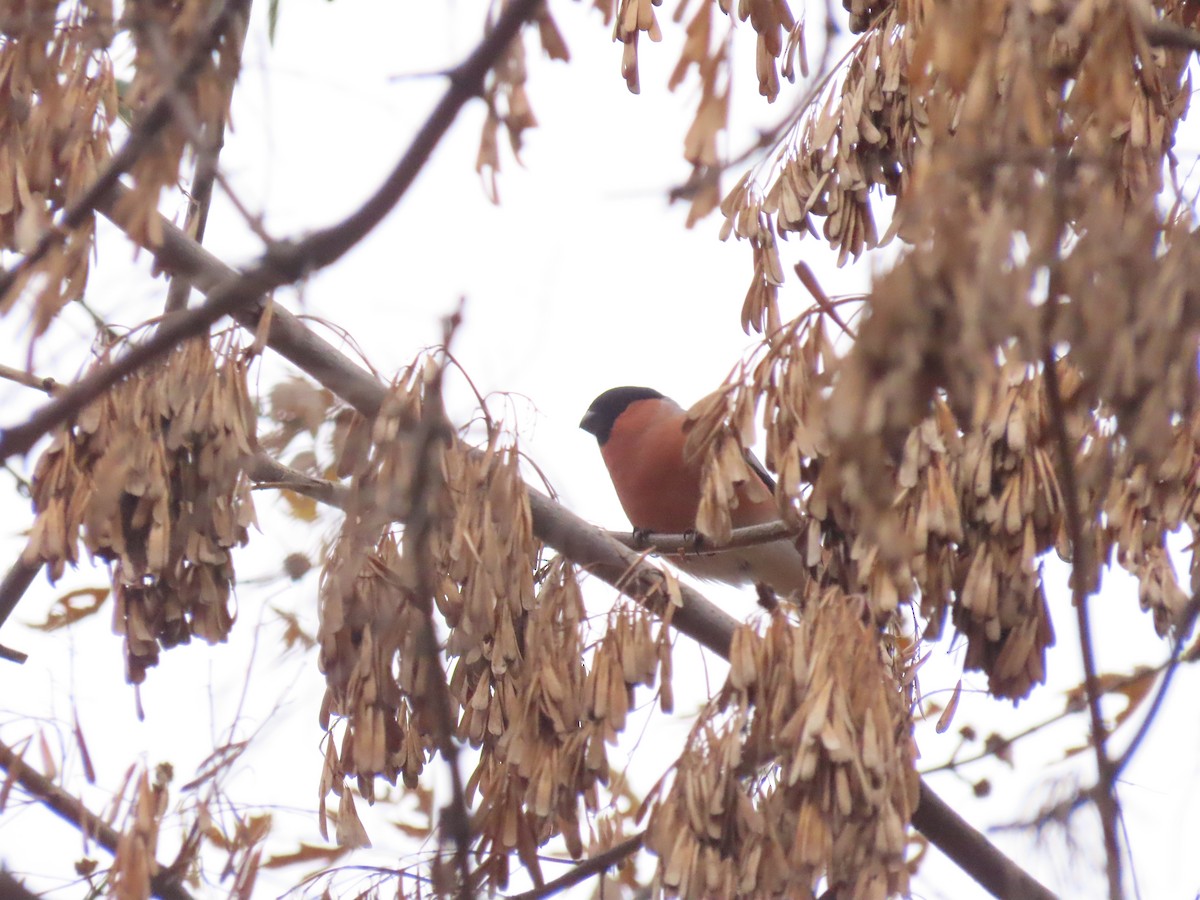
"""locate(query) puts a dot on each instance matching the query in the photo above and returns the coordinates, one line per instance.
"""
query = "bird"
(641, 437)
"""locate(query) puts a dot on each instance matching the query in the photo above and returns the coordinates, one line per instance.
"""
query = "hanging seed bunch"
(368, 605)
(959, 522)
(801, 769)
(60, 102)
(167, 36)
(514, 646)
(508, 100)
(707, 48)
(151, 477)
(134, 863)
(936, 101)
(1042, 325)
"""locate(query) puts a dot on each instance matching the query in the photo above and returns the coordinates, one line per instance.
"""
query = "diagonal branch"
(585, 869)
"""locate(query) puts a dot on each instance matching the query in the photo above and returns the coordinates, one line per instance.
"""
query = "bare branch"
(1161, 33)
(749, 536)
(20, 376)
(1106, 801)
(16, 582)
(590, 867)
(1177, 656)
(12, 889)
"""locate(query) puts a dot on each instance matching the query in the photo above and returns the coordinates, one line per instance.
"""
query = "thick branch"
(71, 810)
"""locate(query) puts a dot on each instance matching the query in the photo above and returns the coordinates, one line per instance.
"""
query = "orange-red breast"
(641, 436)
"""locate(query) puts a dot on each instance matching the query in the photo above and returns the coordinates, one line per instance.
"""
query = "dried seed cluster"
(134, 863)
(508, 102)
(151, 477)
(165, 37)
(60, 100)
(779, 37)
(523, 695)
(1045, 303)
(956, 514)
(935, 97)
(801, 769)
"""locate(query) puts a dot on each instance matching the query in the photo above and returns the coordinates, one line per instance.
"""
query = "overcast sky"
(582, 279)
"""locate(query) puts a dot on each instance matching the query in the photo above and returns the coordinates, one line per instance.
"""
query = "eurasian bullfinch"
(641, 437)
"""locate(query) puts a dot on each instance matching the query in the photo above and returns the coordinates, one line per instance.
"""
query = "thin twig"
(72, 810)
(1185, 629)
(28, 379)
(584, 870)
(1106, 801)
(749, 536)
(998, 743)
(1077, 533)
(204, 172)
(433, 434)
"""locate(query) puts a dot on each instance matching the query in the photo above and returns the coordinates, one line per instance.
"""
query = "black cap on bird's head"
(605, 409)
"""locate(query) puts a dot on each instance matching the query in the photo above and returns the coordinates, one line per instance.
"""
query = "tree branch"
(12, 889)
(593, 865)
(748, 536)
(1176, 658)
(1106, 802)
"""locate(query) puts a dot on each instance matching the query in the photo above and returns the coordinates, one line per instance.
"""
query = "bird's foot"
(767, 597)
(641, 538)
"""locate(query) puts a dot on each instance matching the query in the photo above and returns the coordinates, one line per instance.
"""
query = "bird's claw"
(767, 598)
(693, 540)
(641, 538)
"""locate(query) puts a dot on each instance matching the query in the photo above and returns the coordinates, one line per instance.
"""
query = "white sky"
(583, 278)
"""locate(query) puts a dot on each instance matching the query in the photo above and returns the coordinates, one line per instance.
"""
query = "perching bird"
(641, 438)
